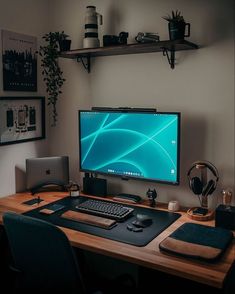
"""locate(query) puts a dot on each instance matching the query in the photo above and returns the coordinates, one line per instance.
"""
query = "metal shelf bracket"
(171, 58)
(86, 64)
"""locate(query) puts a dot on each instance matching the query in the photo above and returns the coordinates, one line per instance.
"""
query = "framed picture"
(19, 60)
(21, 119)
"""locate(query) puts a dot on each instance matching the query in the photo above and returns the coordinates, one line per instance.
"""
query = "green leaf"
(53, 76)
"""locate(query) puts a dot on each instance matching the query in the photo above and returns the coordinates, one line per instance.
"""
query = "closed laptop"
(44, 171)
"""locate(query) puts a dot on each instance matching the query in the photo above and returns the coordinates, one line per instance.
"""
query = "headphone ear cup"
(196, 185)
(209, 188)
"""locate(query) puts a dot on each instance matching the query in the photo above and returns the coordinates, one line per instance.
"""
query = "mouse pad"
(160, 221)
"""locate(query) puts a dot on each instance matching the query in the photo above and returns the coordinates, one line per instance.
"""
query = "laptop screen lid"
(44, 171)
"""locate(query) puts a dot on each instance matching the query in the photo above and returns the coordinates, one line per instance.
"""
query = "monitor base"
(127, 198)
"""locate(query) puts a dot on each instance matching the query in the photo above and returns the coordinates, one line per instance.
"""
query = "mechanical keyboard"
(105, 209)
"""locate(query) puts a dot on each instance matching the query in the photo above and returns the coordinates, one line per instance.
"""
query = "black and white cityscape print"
(19, 61)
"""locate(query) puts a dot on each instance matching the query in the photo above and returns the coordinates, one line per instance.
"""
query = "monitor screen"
(140, 145)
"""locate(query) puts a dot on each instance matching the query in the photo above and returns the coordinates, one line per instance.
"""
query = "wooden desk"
(148, 256)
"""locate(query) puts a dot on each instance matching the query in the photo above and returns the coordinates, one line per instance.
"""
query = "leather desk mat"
(161, 220)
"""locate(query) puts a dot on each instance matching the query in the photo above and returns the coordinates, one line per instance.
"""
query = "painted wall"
(27, 17)
(201, 86)
(68, 17)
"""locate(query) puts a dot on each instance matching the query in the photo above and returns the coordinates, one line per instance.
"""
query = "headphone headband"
(207, 164)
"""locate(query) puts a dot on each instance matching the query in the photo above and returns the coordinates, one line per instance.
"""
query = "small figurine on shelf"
(112, 40)
(152, 195)
(147, 37)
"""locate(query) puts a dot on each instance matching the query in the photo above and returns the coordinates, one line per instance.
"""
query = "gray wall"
(24, 17)
(201, 86)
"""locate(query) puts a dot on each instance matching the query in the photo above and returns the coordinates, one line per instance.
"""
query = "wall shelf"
(168, 48)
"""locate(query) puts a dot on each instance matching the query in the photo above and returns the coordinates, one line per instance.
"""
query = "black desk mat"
(161, 220)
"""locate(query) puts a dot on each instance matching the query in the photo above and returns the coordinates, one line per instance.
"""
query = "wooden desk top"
(148, 256)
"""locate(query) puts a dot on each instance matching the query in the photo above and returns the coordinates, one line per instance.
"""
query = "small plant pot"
(177, 30)
(65, 45)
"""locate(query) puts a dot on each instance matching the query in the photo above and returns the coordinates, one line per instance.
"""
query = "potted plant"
(53, 76)
(64, 43)
(177, 26)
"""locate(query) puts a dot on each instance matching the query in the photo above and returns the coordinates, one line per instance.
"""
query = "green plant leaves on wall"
(53, 76)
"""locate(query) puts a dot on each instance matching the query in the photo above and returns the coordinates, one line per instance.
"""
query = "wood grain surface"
(89, 219)
(212, 274)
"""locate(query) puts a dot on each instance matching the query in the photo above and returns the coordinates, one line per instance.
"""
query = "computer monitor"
(130, 144)
(43, 171)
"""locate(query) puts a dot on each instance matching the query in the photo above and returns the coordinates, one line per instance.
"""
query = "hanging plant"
(53, 76)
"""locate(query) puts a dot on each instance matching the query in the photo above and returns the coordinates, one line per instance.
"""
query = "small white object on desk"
(227, 197)
(74, 190)
(173, 205)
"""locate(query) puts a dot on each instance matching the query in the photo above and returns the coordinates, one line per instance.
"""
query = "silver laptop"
(44, 171)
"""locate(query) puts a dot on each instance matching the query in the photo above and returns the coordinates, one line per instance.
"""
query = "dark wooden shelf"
(160, 46)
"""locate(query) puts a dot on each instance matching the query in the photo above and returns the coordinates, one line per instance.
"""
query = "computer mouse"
(142, 221)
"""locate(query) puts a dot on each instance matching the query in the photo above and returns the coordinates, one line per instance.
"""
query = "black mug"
(177, 30)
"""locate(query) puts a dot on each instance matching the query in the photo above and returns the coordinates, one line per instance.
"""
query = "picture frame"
(19, 61)
(22, 119)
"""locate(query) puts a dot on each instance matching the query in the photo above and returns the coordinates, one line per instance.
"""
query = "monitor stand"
(127, 198)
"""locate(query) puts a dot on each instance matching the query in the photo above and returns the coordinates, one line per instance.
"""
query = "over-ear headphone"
(196, 184)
